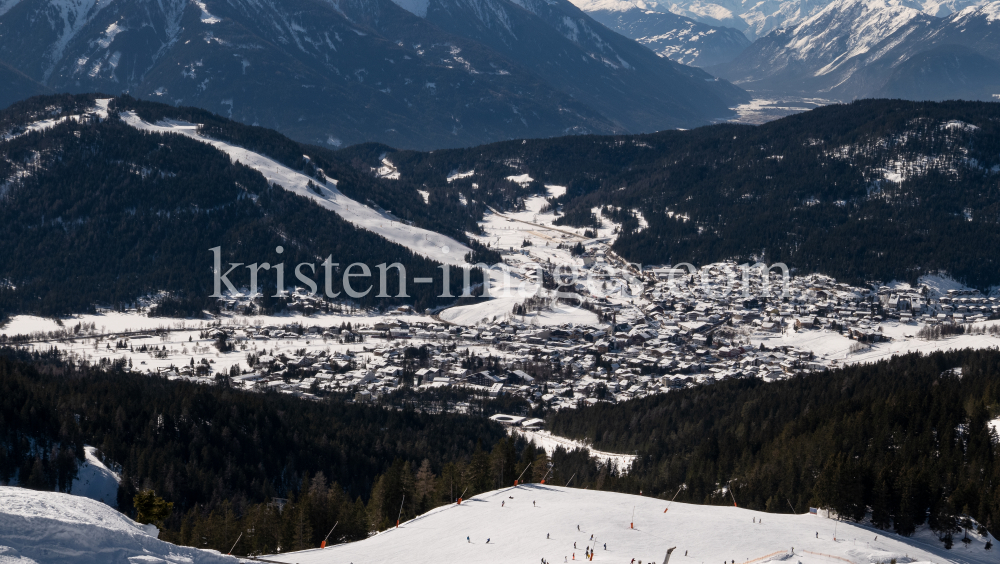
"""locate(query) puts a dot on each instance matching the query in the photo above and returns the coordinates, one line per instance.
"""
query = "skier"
(502, 503)
(605, 546)
(532, 503)
(591, 537)
(574, 545)
(578, 527)
(817, 534)
(487, 541)
(546, 536)
(754, 519)
(468, 540)
(685, 553)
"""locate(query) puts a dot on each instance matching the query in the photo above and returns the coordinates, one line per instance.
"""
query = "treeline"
(904, 441)
(319, 510)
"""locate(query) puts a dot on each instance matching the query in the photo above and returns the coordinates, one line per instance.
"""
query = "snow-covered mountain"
(877, 48)
(418, 74)
(534, 521)
(679, 38)
(758, 18)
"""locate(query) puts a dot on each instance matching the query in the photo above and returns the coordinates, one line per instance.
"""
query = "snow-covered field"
(832, 346)
(533, 522)
(549, 443)
(55, 528)
(509, 231)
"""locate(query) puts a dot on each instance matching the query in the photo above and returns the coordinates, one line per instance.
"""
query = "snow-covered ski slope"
(541, 522)
(53, 528)
(432, 245)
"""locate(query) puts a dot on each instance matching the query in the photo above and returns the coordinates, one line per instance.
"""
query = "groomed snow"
(549, 443)
(432, 245)
(531, 522)
(53, 528)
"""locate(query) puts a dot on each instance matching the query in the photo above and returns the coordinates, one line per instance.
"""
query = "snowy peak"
(824, 50)
(877, 48)
(845, 29)
(757, 19)
(669, 35)
(989, 12)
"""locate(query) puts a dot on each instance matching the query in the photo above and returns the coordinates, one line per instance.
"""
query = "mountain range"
(420, 74)
(757, 19)
(877, 48)
(680, 38)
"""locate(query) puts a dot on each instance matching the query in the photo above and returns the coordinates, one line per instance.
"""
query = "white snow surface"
(432, 245)
(522, 179)
(206, 18)
(549, 443)
(53, 528)
(531, 522)
(455, 175)
(508, 231)
(96, 481)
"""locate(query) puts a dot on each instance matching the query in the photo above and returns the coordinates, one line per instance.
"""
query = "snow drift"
(47, 527)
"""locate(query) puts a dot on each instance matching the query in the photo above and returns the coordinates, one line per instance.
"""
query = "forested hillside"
(902, 443)
(97, 212)
(211, 448)
(905, 441)
(870, 191)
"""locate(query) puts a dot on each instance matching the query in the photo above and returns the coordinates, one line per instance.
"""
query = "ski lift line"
(570, 480)
(400, 515)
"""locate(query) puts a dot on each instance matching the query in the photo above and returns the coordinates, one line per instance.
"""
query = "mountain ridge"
(337, 73)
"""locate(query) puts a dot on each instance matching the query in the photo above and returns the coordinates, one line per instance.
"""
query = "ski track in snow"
(541, 522)
(434, 246)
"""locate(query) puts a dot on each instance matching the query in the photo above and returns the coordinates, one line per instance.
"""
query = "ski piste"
(531, 522)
